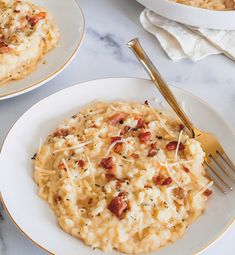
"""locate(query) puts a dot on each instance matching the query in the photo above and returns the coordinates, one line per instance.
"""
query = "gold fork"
(219, 167)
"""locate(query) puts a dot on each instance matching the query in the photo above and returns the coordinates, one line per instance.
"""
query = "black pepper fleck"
(34, 156)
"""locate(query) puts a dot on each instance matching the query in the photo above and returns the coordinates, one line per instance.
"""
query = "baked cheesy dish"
(27, 33)
(217, 5)
(123, 176)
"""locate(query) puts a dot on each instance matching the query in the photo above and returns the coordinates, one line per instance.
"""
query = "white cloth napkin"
(180, 41)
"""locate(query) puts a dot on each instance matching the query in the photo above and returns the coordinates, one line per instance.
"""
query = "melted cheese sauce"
(72, 179)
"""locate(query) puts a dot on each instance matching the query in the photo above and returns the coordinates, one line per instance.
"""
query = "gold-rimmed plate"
(33, 216)
(70, 20)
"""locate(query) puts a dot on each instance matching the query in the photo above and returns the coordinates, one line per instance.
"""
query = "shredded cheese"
(112, 146)
(164, 126)
(172, 176)
(119, 110)
(124, 159)
(87, 185)
(40, 146)
(80, 145)
(96, 112)
(69, 174)
(204, 189)
(180, 162)
(44, 171)
(140, 229)
(178, 144)
(92, 170)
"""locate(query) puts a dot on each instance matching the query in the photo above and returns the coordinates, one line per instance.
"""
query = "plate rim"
(57, 71)
(210, 243)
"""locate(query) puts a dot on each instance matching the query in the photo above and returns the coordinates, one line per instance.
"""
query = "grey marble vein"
(2, 243)
(111, 42)
(1, 213)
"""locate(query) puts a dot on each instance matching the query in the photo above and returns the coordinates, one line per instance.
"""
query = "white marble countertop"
(109, 25)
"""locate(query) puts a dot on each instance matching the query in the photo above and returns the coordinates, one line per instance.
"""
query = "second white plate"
(70, 20)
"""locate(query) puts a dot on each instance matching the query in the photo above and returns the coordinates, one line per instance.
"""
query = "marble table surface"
(109, 25)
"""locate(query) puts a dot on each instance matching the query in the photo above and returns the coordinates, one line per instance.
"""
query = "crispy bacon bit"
(57, 199)
(2, 37)
(81, 163)
(135, 155)
(61, 166)
(146, 102)
(94, 126)
(117, 118)
(167, 181)
(186, 169)
(207, 192)
(141, 123)
(125, 130)
(171, 146)
(153, 150)
(4, 48)
(107, 163)
(90, 201)
(61, 132)
(115, 138)
(110, 177)
(161, 181)
(148, 186)
(17, 11)
(179, 193)
(118, 147)
(118, 204)
(181, 127)
(39, 16)
(144, 137)
(2, 43)
(118, 184)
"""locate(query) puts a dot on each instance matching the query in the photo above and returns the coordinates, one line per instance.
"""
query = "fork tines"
(222, 171)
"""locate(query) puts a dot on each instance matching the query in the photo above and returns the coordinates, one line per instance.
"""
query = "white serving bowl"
(192, 16)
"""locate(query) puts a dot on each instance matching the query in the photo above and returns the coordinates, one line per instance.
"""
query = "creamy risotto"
(27, 33)
(123, 176)
(218, 5)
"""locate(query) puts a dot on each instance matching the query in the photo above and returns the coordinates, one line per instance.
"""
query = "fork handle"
(155, 76)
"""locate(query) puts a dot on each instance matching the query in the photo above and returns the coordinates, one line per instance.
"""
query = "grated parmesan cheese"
(80, 145)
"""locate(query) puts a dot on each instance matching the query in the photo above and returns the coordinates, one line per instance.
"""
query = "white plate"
(192, 16)
(70, 20)
(33, 216)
